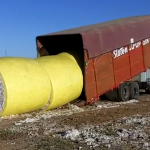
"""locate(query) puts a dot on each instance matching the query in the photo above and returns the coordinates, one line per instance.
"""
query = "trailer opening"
(70, 43)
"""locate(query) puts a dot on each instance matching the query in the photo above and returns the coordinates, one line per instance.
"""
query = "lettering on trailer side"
(134, 45)
(123, 50)
(119, 52)
(145, 42)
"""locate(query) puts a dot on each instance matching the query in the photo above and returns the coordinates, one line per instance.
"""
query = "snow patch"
(114, 133)
(115, 104)
(72, 134)
(60, 112)
(27, 120)
(72, 109)
(48, 114)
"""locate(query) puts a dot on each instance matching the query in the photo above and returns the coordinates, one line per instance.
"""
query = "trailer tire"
(134, 90)
(124, 91)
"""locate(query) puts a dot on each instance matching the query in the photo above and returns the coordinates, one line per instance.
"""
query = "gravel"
(104, 125)
(132, 131)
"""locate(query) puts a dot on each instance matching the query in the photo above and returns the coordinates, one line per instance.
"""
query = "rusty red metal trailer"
(110, 55)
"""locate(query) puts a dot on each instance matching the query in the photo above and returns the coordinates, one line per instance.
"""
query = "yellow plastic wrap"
(66, 78)
(24, 86)
(67, 55)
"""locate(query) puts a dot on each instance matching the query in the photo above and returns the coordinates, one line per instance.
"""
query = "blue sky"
(22, 20)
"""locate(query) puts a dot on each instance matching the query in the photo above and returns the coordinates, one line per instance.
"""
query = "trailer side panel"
(107, 71)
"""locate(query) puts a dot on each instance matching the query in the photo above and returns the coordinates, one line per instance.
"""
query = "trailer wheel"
(124, 91)
(134, 90)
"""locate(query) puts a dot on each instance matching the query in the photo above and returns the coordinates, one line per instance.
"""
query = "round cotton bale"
(24, 86)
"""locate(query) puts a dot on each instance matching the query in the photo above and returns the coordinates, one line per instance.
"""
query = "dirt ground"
(105, 126)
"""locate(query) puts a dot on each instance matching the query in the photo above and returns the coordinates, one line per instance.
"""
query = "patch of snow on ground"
(27, 120)
(72, 134)
(122, 132)
(48, 114)
(116, 104)
(60, 112)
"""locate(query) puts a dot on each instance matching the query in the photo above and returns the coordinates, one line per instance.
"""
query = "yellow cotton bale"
(24, 86)
(67, 55)
(66, 78)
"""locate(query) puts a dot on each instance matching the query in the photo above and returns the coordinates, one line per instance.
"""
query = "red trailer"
(110, 54)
